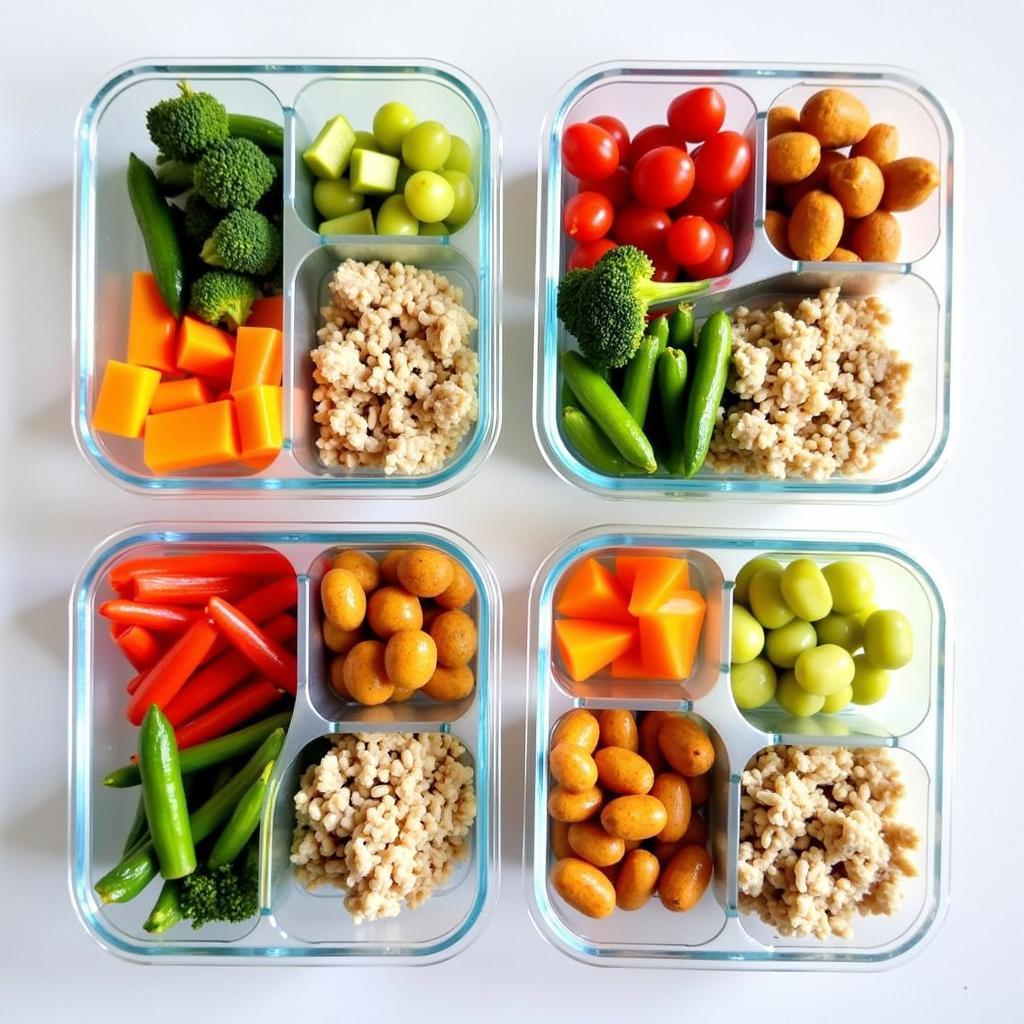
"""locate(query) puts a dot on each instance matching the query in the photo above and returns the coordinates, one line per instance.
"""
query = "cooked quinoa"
(813, 389)
(384, 816)
(395, 380)
(819, 839)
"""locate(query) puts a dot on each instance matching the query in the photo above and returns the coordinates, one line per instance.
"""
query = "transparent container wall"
(912, 723)
(292, 922)
(301, 98)
(917, 290)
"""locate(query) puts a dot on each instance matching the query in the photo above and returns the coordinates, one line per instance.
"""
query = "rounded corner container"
(918, 290)
(293, 925)
(300, 95)
(912, 724)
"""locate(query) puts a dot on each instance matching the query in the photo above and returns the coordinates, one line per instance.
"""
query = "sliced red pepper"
(117, 628)
(141, 647)
(220, 676)
(238, 706)
(268, 657)
(264, 604)
(156, 617)
(135, 682)
(179, 588)
(170, 673)
(207, 563)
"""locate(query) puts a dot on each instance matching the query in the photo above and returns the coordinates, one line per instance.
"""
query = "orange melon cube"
(625, 570)
(592, 592)
(201, 435)
(655, 580)
(205, 350)
(670, 637)
(259, 423)
(125, 394)
(152, 328)
(267, 312)
(180, 394)
(587, 647)
(631, 665)
(257, 357)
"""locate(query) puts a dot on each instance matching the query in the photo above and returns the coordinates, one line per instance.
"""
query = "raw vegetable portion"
(587, 647)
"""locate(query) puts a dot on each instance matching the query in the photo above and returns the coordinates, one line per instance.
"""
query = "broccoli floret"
(228, 893)
(184, 126)
(234, 174)
(605, 308)
(244, 241)
(222, 297)
(200, 218)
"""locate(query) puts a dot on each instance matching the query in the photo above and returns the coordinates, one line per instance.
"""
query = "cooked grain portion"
(813, 390)
(819, 839)
(396, 380)
(383, 816)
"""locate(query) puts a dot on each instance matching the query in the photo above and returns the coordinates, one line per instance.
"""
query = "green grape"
(785, 644)
(791, 697)
(365, 140)
(837, 701)
(765, 598)
(426, 147)
(888, 639)
(437, 228)
(429, 196)
(805, 590)
(844, 631)
(465, 198)
(870, 684)
(335, 198)
(864, 614)
(747, 636)
(460, 158)
(394, 218)
(851, 585)
(824, 670)
(746, 574)
(390, 124)
(753, 683)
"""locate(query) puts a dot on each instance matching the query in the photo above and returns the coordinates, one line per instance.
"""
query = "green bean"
(244, 821)
(672, 372)
(714, 353)
(591, 445)
(166, 912)
(639, 378)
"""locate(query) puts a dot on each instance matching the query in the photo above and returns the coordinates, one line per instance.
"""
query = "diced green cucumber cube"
(359, 223)
(373, 174)
(329, 154)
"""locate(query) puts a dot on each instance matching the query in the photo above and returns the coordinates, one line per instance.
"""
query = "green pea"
(753, 683)
(846, 631)
(870, 684)
(824, 670)
(746, 574)
(851, 585)
(805, 590)
(888, 639)
(785, 644)
(837, 701)
(766, 600)
(791, 697)
(747, 636)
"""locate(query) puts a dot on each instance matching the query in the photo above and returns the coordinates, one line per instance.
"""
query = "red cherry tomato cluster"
(653, 191)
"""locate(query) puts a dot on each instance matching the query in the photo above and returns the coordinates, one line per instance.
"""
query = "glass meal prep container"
(912, 724)
(301, 96)
(918, 290)
(293, 924)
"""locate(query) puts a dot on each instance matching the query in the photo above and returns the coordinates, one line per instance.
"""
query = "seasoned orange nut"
(775, 226)
(389, 565)
(560, 839)
(841, 255)
(686, 747)
(634, 817)
(344, 600)
(391, 609)
(338, 677)
(572, 767)
(792, 194)
(782, 119)
(673, 792)
(572, 807)
(857, 184)
(425, 572)
(618, 729)
(792, 156)
(650, 726)
(460, 591)
(365, 675)
(621, 771)
(816, 226)
(578, 726)
(584, 887)
(685, 879)
(454, 632)
(450, 683)
(341, 641)
(880, 145)
(363, 566)
(876, 238)
(700, 788)
(410, 658)
(638, 879)
(697, 832)
(591, 843)
(835, 117)
(908, 183)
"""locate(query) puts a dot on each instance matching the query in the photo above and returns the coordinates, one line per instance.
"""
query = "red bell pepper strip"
(179, 588)
(170, 673)
(223, 674)
(264, 604)
(242, 633)
(135, 682)
(117, 628)
(238, 706)
(140, 647)
(156, 617)
(207, 563)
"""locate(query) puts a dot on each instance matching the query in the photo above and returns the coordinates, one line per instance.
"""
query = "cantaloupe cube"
(655, 580)
(205, 350)
(202, 435)
(124, 397)
(259, 423)
(257, 357)
(180, 394)
(152, 328)
(592, 592)
(631, 665)
(670, 637)
(587, 647)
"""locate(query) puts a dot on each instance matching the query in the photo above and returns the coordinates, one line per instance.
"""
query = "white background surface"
(55, 510)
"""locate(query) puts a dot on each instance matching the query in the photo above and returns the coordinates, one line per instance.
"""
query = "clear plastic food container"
(301, 96)
(912, 723)
(293, 924)
(918, 290)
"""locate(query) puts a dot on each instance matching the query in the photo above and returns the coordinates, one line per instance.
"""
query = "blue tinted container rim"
(485, 433)
(487, 739)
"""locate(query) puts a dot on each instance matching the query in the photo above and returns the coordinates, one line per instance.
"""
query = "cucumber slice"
(373, 174)
(329, 154)
(359, 223)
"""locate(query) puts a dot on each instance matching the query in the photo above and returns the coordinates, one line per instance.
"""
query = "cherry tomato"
(663, 177)
(690, 240)
(589, 151)
(617, 130)
(697, 204)
(718, 262)
(696, 115)
(640, 226)
(616, 186)
(588, 216)
(723, 164)
(665, 268)
(649, 138)
(586, 255)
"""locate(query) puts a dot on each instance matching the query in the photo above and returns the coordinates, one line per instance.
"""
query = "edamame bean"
(747, 636)
(870, 683)
(766, 600)
(846, 631)
(888, 639)
(753, 683)
(792, 697)
(785, 644)
(824, 670)
(851, 585)
(805, 590)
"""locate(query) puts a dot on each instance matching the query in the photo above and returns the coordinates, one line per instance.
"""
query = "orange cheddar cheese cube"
(122, 404)
(152, 328)
(268, 312)
(259, 423)
(257, 358)
(205, 350)
(587, 647)
(180, 394)
(592, 592)
(201, 435)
